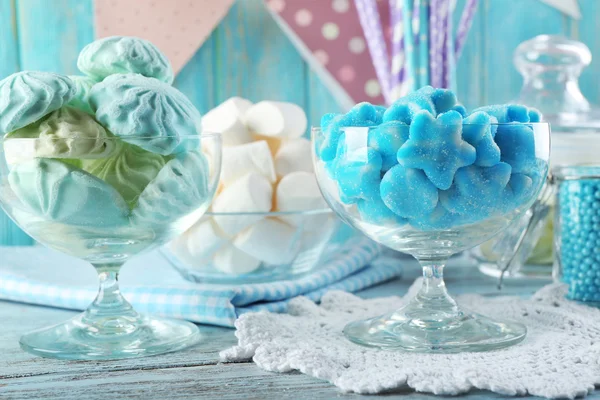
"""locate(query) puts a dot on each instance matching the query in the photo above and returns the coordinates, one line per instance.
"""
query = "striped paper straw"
(371, 24)
(416, 21)
(448, 80)
(397, 67)
(464, 25)
(438, 13)
(409, 51)
(423, 65)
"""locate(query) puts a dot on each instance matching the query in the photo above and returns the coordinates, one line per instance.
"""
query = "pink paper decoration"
(329, 35)
(177, 27)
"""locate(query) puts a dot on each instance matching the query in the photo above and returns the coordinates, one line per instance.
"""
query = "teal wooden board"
(9, 63)
(51, 33)
(586, 30)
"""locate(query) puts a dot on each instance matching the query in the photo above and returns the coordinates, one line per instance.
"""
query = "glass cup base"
(116, 338)
(404, 330)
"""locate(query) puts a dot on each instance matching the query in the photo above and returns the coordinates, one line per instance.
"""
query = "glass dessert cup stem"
(110, 329)
(432, 322)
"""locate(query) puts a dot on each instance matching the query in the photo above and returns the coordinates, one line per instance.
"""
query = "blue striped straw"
(409, 51)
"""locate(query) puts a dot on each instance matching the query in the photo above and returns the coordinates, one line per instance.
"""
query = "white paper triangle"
(569, 7)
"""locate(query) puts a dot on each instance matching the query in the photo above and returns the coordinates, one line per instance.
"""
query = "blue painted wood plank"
(196, 79)
(319, 98)
(587, 29)
(505, 27)
(470, 63)
(255, 60)
(10, 234)
(51, 33)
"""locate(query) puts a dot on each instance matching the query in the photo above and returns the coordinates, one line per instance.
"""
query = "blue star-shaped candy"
(478, 132)
(374, 211)
(387, 139)
(460, 109)
(517, 147)
(477, 191)
(361, 115)
(517, 191)
(436, 146)
(438, 219)
(358, 174)
(408, 192)
(506, 113)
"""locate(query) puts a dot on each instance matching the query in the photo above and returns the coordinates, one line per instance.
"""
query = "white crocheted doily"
(559, 358)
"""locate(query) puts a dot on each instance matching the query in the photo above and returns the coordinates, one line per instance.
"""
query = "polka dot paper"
(178, 28)
(332, 32)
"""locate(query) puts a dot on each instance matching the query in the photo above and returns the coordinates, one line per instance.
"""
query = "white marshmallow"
(299, 191)
(228, 119)
(293, 155)
(178, 247)
(274, 118)
(245, 158)
(251, 193)
(270, 241)
(203, 239)
(230, 260)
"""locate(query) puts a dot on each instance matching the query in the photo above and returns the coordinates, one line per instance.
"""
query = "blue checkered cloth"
(37, 275)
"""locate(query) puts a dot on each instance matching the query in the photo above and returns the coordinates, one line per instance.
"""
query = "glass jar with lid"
(550, 66)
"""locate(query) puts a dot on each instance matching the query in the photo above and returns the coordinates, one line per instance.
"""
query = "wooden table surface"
(196, 372)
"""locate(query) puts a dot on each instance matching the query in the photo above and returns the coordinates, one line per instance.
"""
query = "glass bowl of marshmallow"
(269, 220)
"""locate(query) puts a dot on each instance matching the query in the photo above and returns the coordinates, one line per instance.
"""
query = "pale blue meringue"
(180, 188)
(55, 191)
(83, 85)
(131, 105)
(122, 55)
(26, 97)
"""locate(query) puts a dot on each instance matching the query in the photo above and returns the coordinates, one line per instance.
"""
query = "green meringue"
(129, 170)
(66, 133)
(83, 85)
(55, 191)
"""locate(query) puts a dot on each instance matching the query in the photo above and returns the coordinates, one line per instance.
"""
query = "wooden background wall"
(248, 55)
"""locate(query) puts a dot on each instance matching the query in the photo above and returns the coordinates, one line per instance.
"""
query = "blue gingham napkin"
(38, 275)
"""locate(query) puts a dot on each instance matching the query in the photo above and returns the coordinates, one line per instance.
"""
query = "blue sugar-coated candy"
(408, 192)
(358, 173)
(517, 147)
(387, 139)
(443, 100)
(535, 115)
(123, 55)
(180, 188)
(439, 219)
(517, 192)
(404, 109)
(60, 192)
(380, 111)
(505, 113)
(26, 97)
(374, 211)
(459, 108)
(436, 146)
(477, 191)
(361, 115)
(131, 105)
(478, 132)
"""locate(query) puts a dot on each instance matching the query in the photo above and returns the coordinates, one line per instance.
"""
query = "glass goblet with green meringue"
(104, 187)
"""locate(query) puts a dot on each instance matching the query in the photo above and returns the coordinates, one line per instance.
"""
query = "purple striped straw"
(464, 25)
(439, 10)
(371, 24)
(448, 47)
(397, 66)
